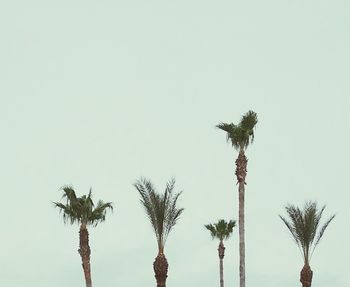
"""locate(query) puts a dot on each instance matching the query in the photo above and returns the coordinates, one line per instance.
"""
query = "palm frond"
(221, 229)
(323, 228)
(99, 212)
(303, 225)
(172, 212)
(212, 230)
(241, 135)
(148, 200)
(81, 209)
(249, 120)
(161, 209)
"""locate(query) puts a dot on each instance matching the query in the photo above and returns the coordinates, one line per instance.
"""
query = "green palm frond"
(303, 225)
(98, 214)
(161, 209)
(222, 229)
(241, 135)
(82, 209)
(323, 228)
(249, 120)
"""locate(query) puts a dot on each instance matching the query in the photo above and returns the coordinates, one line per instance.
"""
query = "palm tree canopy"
(303, 225)
(82, 210)
(221, 230)
(161, 209)
(242, 134)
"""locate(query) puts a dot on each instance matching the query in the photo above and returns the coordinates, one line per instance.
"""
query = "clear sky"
(98, 93)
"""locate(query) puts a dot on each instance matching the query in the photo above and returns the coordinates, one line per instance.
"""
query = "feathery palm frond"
(161, 209)
(222, 229)
(82, 209)
(303, 225)
(323, 228)
(242, 134)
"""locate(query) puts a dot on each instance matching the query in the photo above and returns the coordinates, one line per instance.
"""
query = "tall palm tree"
(83, 211)
(241, 136)
(221, 230)
(303, 225)
(163, 214)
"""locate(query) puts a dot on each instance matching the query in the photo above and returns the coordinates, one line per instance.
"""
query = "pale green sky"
(98, 93)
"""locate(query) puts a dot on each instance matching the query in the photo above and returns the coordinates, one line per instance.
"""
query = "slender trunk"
(160, 267)
(84, 251)
(221, 250)
(306, 276)
(241, 172)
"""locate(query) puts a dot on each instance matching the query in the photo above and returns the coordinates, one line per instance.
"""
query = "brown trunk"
(306, 276)
(241, 172)
(84, 251)
(160, 267)
(221, 251)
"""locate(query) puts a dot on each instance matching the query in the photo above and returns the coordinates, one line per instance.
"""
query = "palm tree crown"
(221, 230)
(82, 210)
(303, 226)
(161, 209)
(242, 134)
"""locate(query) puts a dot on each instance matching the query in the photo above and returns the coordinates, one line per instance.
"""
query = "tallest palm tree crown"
(242, 134)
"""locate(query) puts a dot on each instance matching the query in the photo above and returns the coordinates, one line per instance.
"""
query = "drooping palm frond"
(161, 209)
(242, 134)
(98, 214)
(82, 209)
(303, 225)
(222, 229)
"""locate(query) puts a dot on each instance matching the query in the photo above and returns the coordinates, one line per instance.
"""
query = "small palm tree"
(83, 211)
(221, 230)
(163, 214)
(241, 136)
(303, 225)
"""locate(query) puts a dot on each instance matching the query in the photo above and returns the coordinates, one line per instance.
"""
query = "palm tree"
(241, 136)
(221, 230)
(163, 214)
(83, 211)
(303, 224)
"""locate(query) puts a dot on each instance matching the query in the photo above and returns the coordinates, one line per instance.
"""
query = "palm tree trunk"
(221, 250)
(241, 172)
(84, 251)
(306, 275)
(160, 267)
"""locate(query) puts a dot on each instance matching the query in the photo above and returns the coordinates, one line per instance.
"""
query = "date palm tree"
(163, 214)
(221, 230)
(82, 210)
(303, 225)
(241, 136)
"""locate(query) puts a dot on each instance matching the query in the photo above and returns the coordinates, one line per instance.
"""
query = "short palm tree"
(83, 211)
(163, 214)
(303, 225)
(221, 230)
(241, 136)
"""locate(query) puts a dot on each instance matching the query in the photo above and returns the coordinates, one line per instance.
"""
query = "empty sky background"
(98, 93)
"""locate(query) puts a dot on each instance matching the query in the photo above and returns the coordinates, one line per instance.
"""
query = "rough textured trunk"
(221, 251)
(306, 276)
(84, 251)
(241, 172)
(160, 267)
